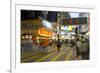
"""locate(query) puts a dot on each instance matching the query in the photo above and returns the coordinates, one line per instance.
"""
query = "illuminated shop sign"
(69, 28)
(44, 32)
(66, 27)
(75, 21)
(46, 23)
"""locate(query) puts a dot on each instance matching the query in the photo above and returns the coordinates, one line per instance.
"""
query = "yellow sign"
(69, 28)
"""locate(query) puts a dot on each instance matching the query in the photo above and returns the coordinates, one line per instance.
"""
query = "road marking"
(43, 58)
(27, 55)
(56, 57)
(34, 56)
(68, 56)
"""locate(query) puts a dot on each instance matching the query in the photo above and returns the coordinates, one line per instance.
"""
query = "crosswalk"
(64, 55)
(45, 57)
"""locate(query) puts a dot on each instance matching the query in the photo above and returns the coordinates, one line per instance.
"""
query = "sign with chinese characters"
(75, 21)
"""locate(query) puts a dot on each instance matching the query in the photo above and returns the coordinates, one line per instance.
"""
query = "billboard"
(75, 21)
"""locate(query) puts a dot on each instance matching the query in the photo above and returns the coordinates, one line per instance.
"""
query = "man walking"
(58, 45)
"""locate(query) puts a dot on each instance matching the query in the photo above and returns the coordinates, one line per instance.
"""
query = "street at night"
(66, 53)
(49, 36)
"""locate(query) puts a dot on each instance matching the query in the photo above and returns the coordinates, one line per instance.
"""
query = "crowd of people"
(28, 45)
(81, 45)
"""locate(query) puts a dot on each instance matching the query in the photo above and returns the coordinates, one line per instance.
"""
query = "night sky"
(30, 14)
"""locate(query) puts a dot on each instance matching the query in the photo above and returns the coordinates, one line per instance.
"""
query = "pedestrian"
(84, 49)
(58, 45)
(72, 43)
(77, 47)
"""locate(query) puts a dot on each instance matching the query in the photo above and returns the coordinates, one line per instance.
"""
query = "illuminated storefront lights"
(46, 23)
(44, 32)
(69, 28)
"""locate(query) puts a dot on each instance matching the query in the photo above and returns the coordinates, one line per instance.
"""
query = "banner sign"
(75, 21)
